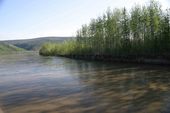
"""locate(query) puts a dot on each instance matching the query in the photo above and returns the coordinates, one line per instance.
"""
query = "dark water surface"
(33, 84)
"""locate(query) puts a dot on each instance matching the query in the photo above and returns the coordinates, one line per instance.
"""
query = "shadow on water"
(33, 84)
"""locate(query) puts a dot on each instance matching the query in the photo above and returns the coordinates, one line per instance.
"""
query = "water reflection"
(33, 84)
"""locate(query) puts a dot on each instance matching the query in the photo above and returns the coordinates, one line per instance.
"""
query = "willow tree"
(154, 16)
(144, 30)
(125, 26)
(165, 32)
(108, 32)
(136, 29)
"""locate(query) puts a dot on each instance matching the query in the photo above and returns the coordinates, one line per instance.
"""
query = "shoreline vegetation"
(8, 48)
(140, 35)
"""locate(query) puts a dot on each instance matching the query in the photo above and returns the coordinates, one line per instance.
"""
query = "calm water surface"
(30, 83)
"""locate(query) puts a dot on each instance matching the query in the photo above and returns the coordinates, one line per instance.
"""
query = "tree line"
(140, 31)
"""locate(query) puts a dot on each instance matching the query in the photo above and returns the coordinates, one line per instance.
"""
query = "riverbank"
(120, 59)
(120, 36)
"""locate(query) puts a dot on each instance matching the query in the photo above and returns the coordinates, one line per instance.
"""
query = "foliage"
(7, 48)
(35, 44)
(142, 31)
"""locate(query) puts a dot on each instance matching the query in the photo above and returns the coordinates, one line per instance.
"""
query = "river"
(30, 83)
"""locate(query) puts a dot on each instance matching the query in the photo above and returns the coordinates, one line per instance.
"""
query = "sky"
(24, 19)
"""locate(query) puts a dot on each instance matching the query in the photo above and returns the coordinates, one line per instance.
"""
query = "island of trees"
(141, 32)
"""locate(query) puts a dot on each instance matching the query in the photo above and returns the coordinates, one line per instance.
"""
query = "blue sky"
(23, 19)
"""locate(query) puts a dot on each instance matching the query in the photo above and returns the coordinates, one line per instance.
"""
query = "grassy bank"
(140, 33)
(53, 49)
(7, 48)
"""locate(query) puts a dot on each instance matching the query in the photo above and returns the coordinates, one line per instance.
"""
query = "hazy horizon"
(40, 18)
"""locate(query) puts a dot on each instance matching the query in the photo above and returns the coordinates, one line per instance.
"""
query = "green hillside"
(36, 43)
(7, 48)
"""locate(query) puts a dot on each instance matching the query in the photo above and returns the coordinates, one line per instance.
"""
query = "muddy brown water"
(30, 83)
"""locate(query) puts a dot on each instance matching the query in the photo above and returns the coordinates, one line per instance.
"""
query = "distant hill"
(35, 44)
(8, 48)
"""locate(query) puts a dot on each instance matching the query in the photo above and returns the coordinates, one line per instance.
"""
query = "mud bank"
(121, 59)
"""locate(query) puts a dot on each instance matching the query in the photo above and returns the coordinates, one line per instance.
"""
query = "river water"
(30, 83)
